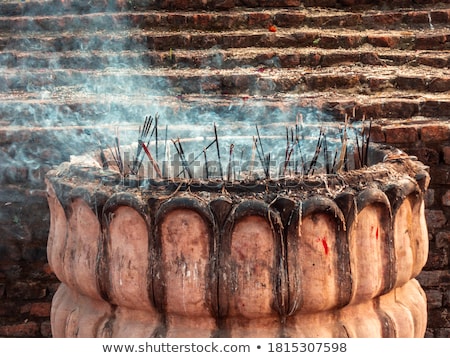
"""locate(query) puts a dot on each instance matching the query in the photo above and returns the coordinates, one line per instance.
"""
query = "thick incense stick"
(150, 157)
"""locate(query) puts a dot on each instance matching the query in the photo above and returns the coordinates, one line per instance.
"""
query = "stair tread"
(228, 58)
(342, 70)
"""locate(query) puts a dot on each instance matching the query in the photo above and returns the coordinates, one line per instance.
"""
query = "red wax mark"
(376, 234)
(325, 246)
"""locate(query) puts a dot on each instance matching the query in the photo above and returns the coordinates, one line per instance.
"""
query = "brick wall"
(430, 142)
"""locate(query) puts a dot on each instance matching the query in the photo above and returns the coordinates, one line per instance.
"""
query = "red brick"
(435, 133)
(427, 156)
(433, 278)
(321, 82)
(446, 198)
(416, 17)
(383, 40)
(24, 330)
(378, 83)
(314, 59)
(289, 19)
(382, 20)
(334, 59)
(224, 4)
(442, 239)
(26, 290)
(370, 58)
(259, 18)
(446, 152)
(439, 85)
(46, 329)
(201, 20)
(434, 298)
(290, 60)
(228, 22)
(429, 197)
(401, 134)
(440, 174)
(394, 108)
(440, 16)
(411, 83)
(435, 219)
(438, 318)
(377, 134)
(429, 42)
(40, 309)
(434, 108)
(431, 61)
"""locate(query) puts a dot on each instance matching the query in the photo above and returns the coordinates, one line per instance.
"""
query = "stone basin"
(301, 256)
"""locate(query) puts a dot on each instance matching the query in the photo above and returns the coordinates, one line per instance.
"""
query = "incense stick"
(150, 157)
(183, 159)
(218, 151)
(230, 163)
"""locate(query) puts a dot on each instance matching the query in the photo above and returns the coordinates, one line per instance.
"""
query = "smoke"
(70, 91)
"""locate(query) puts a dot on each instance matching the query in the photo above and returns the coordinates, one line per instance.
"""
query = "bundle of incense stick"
(294, 153)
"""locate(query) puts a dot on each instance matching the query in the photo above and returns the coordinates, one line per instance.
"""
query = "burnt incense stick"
(218, 151)
(316, 152)
(240, 163)
(198, 156)
(143, 135)
(325, 154)
(261, 158)
(156, 137)
(343, 154)
(265, 160)
(366, 157)
(165, 156)
(358, 150)
(150, 157)
(206, 163)
(286, 153)
(118, 155)
(260, 142)
(334, 161)
(184, 163)
(230, 163)
(252, 160)
(103, 159)
(287, 160)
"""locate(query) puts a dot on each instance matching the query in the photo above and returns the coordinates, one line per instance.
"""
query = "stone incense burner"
(301, 256)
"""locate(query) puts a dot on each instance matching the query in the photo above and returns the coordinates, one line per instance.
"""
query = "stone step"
(45, 7)
(232, 20)
(350, 79)
(289, 57)
(69, 108)
(174, 40)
